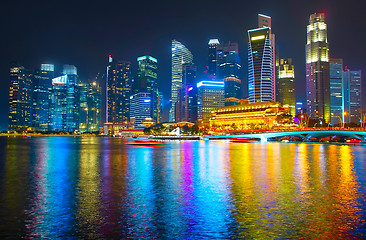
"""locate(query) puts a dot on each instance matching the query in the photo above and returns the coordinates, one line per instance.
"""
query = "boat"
(145, 142)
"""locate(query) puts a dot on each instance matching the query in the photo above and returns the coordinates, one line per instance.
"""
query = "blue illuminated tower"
(352, 95)
(140, 108)
(210, 98)
(336, 90)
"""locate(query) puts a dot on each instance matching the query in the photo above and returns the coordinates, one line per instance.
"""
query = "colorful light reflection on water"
(99, 188)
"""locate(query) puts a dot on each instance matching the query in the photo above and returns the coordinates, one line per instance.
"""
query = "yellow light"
(258, 37)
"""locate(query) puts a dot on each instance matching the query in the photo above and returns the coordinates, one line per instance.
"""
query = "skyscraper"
(352, 96)
(118, 91)
(229, 71)
(212, 61)
(90, 107)
(210, 98)
(147, 75)
(140, 104)
(261, 80)
(336, 90)
(180, 56)
(317, 68)
(42, 96)
(286, 85)
(65, 105)
(20, 97)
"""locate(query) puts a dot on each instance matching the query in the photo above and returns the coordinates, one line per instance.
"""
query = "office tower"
(352, 96)
(118, 91)
(210, 98)
(265, 21)
(299, 108)
(90, 105)
(42, 87)
(229, 71)
(317, 68)
(286, 85)
(140, 108)
(147, 75)
(20, 97)
(186, 105)
(83, 112)
(180, 56)
(212, 62)
(261, 67)
(64, 105)
(336, 90)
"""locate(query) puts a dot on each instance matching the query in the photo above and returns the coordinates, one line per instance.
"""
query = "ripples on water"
(64, 187)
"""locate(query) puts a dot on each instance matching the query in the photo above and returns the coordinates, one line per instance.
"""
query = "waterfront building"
(42, 87)
(64, 105)
(147, 75)
(180, 55)
(186, 105)
(317, 68)
(118, 83)
(261, 66)
(20, 97)
(352, 96)
(212, 60)
(286, 84)
(94, 101)
(210, 98)
(83, 112)
(247, 116)
(229, 71)
(140, 108)
(336, 90)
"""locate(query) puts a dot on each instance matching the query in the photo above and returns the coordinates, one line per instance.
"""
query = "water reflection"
(99, 188)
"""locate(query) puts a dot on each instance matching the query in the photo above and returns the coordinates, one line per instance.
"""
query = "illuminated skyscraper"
(42, 87)
(118, 91)
(212, 61)
(317, 68)
(180, 56)
(64, 105)
(147, 76)
(261, 68)
(90, 107)
(210, 98)
(20, 97)
(336, 90)
(286, 85)
(352, 96)
(140, 108)
(229, 71)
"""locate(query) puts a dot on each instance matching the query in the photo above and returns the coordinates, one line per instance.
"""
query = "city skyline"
(159, 45)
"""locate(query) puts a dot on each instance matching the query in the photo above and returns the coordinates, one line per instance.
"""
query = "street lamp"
(340, 119)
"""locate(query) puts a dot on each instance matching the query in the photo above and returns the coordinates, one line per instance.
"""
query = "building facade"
(247, 116)
(352, 96)
(336, 90)
(20, 98)
(180, 55)
(317, 68)
(119, 81)
(147, 76)
(229, 71)
(140, 108)
(286, 85)
(211, 96)
(212, 60)
(260, 67)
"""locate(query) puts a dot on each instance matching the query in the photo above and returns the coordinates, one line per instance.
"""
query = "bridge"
(306, 135)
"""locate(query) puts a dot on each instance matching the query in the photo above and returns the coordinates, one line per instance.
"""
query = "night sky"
(83, 33)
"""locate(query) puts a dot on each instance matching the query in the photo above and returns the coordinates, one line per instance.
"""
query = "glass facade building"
(147, 76)
(286, 85)
(119, 81)
(211, 96)
(212, 61)
(180, 56)
(317, 68)
(352, 96)
(336, 90)
(20, 97)
(260, 67)
(140, 108)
